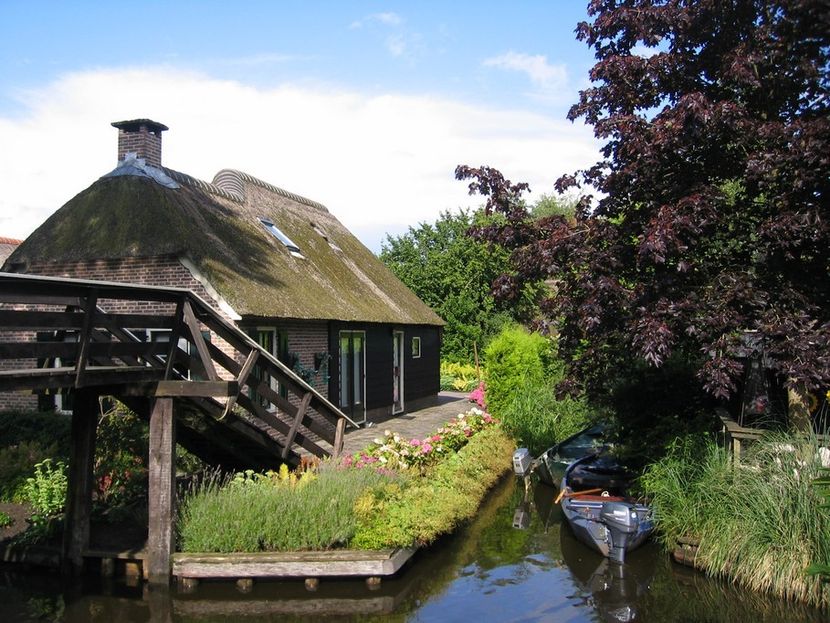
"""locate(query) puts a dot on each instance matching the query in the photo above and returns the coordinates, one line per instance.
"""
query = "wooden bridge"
(230, 402)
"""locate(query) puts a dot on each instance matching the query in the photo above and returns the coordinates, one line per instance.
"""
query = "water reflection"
(488, 571)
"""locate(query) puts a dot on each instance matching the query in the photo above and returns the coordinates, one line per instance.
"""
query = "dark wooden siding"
(422, 376)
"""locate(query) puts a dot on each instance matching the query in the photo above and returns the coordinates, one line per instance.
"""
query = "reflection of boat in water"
(552, 463)
(598, 512)
(615, 590)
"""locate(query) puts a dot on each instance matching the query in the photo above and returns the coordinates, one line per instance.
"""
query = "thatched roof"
(217, 228)
(7, 246)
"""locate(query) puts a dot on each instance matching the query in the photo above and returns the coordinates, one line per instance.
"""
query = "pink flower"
(426, 448)
(415, 442)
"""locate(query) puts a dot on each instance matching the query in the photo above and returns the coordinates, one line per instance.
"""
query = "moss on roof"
(220, 232)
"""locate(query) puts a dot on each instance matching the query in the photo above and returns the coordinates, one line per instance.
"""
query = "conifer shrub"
(516, 359)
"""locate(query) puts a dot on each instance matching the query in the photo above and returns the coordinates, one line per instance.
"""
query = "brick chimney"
(141, 137)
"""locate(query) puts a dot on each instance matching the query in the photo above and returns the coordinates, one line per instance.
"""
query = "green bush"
(46, 490)
(44, 428)
(269, 512)
(419, 510)
(458, 377)
(760, 522)
(17, 462)
(515, 359)
(5, 520)
(536, 419)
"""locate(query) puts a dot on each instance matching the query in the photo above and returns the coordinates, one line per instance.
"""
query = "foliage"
(713, 216)
(554, 205)
(760, 521)
(822, 485)
(5, 520)
(120, 468)
(418, 510)
(459, 377)
(17, 462)
(44, 428)
(453, 274)
(46, 492)
(515, 358)
(537, 419)
(393, 452)
(275, 511)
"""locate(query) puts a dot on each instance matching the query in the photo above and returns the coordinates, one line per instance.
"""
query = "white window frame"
(416, 350)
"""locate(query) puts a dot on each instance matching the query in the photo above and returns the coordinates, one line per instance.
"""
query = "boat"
(550, 466)
(600, 514)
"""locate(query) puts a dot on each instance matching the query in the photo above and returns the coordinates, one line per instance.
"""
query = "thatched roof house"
(280, 265)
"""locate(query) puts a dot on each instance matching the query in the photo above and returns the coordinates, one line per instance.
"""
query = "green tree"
(453, 274)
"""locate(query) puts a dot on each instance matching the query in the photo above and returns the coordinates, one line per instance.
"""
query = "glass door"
(397, 372)
(353, 374)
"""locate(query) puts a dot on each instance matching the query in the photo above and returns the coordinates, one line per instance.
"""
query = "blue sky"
(364, 106)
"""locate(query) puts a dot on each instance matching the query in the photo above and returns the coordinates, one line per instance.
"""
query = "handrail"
(74, 307)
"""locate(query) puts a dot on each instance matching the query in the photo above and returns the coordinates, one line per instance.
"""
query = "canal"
(516, 562)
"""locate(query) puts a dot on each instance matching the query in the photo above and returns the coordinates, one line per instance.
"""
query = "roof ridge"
(4, 240)
(247, 177)
(195, 182)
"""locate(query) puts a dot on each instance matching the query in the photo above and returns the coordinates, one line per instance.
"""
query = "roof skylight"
(277, 233)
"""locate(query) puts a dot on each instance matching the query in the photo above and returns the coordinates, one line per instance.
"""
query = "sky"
(366, 107)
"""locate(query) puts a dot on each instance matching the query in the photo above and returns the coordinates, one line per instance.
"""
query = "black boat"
(593, 500)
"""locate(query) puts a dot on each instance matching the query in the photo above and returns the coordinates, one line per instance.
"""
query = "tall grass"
(760, 522)
(537, 420)
(262, 513)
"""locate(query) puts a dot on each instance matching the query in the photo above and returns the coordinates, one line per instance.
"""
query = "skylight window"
(277, 233)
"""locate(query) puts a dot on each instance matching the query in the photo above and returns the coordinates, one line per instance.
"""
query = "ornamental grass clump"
(275, 511)
(761, 522)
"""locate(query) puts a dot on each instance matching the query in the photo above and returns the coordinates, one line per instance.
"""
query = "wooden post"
(339, 432)
(79, 486)
(161, 537)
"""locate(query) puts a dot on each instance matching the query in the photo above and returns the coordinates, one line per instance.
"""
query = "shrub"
(5, 520)
(458, 377)
(46, 490)
(273, 511)
(515, 358)
(418, 510)
(760, 521)
(17, 462)
(46, 429)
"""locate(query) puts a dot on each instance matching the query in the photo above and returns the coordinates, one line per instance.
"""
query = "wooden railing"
(66, 334)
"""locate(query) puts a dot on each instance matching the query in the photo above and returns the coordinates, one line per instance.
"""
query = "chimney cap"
(134, 125)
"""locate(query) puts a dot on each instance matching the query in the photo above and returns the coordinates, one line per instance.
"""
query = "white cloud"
(387, 19)
(379, 162)
(543, 75)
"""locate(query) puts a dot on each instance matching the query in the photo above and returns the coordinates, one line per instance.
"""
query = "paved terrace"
(416, 424)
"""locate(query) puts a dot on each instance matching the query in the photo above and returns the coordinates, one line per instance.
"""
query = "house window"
(416, 348)
(277, 233)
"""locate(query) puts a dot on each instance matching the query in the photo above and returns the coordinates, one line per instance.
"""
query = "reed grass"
(254, 513)
(760, 521)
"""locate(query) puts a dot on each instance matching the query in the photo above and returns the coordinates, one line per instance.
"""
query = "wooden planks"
(345, 563)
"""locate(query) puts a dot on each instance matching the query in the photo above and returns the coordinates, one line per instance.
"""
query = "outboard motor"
(622, 522)
(522, 462)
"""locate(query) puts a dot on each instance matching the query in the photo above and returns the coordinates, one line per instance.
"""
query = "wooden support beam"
(90, 305)
(247, 368)
(174, 340)
(178, 389)
(295, 425)
(272, 420)
(79, 486)
(339, 434)
(201, 347)
(161, 539)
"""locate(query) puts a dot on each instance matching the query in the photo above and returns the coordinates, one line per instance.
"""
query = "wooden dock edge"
(312, 564)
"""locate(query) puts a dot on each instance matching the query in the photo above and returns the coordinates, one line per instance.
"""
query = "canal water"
(516, 562)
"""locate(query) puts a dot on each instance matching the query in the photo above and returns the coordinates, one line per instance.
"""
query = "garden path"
(415, 424)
